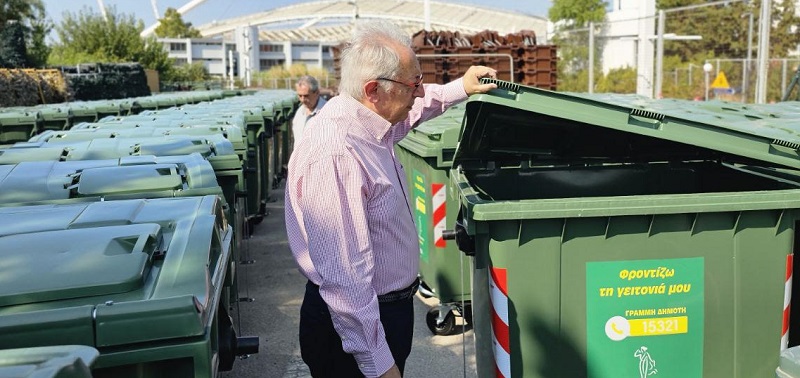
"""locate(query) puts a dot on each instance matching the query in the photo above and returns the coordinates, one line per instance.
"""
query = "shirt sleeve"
(334, 201)
(437, 99)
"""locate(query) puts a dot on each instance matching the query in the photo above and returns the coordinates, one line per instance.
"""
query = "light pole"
(746, 65)
(707, 69)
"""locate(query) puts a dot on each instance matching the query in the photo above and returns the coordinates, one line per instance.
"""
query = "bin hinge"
(792, 145)
(464, 242)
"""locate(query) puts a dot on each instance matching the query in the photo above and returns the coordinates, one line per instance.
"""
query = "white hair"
(371, 53)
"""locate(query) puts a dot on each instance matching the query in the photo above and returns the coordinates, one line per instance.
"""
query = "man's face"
(404, 87)
(306, 96)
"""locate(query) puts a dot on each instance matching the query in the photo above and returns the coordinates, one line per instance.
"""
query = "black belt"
(393, 296)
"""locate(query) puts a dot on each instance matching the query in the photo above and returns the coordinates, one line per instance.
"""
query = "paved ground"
(277, 288)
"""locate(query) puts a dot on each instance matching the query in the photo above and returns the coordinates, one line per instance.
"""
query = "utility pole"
(591, 56)
(764, 23)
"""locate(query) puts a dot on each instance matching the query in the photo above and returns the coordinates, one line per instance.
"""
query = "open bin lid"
(516, 123)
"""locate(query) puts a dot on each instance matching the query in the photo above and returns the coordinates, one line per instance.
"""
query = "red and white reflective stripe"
(439, 213)
(787, 301)
(498, 291)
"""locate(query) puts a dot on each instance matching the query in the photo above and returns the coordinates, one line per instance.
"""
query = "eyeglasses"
(413, 85)
(306, 95)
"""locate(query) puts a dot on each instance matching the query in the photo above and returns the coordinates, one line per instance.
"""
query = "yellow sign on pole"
(720, 82)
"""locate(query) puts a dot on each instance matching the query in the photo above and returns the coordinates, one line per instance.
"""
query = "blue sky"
(212, 10)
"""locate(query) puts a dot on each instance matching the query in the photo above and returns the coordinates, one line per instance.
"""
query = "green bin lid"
(112, 178)
(516, 123)
(62, 361)
(436, 138)
(62, 264)
(103, 273)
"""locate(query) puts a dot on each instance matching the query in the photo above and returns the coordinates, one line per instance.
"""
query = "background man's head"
(307, 89)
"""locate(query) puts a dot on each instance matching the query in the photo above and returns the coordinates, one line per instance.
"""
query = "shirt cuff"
(376, 362)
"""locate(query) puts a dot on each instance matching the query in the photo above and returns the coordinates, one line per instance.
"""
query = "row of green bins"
(427, 155)
(19, 126)
(62, 361)
(141, 281)
(617, 236)
(123, 128)
(214, 148)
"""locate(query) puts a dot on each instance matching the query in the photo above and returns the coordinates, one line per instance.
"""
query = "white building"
(306, 32)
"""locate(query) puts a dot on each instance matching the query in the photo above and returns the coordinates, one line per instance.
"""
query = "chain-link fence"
(612, 56)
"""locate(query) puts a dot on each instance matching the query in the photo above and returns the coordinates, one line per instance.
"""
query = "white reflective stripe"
(787, 292)
(501, 358)
(785, 341)
(438, 228)
(499, 301)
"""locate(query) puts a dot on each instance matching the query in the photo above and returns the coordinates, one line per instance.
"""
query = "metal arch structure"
(331, 21)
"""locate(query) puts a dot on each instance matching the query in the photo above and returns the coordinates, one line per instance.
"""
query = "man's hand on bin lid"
(472, 79)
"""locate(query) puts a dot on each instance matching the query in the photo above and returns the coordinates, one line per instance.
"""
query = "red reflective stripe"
(499, 277)
(500, 332)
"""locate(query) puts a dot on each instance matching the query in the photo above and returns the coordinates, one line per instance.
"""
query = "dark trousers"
(321, 346)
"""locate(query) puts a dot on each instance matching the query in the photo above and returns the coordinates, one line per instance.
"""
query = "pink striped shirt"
(349, 223)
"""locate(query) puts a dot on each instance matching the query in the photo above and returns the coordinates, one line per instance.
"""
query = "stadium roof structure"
(332, 21)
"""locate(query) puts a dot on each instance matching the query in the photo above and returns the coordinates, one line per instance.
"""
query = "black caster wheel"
(445, 328)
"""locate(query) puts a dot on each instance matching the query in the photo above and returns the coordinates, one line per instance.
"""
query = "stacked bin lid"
(151, 291)
(63, 361)
(620, 236)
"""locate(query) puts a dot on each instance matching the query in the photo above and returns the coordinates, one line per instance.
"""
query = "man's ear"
(371, 91)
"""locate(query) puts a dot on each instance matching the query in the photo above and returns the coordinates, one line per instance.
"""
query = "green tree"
(173, 26)
(724, 30)
(572, 19)
(13, 52)
(618, 80)
(29, 15)
(88, 37)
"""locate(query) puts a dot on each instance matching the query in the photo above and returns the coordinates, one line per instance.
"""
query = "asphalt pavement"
(276, 289)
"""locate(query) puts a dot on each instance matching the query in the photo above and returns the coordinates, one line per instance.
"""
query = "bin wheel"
(447, 325)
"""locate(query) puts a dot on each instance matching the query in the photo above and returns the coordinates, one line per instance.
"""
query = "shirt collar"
(373, 123)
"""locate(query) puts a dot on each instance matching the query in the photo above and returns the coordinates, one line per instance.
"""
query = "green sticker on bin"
(421, 213)
(645, 318)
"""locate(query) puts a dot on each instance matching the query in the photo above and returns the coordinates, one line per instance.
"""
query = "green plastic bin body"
(625, 237)
(19, 126)
(56, 117)
(139, 280)
(63, 361)
(426, 154)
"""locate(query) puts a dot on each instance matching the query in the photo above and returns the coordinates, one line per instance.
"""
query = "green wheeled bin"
(139, 280)
(63, 361)
(427, 153)
(618, 236)
(56, 117)
(19, 126)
